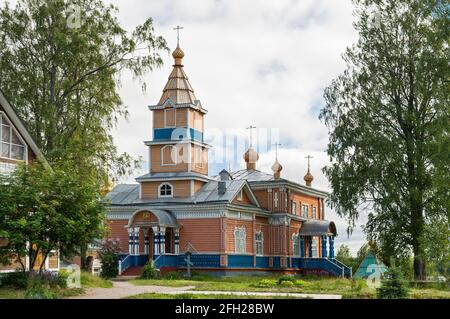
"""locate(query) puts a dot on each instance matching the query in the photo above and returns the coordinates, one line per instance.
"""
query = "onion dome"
(178, 55)
(308, 178)
(251, 157)
(277, 168)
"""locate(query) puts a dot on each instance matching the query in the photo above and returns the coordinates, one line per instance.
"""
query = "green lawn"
(87, 281)
(201, 296)
(346, 287)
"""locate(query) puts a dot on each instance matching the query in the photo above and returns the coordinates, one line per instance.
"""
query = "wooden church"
(243, 221)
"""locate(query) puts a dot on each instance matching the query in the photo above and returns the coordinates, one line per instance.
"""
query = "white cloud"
(264, 63)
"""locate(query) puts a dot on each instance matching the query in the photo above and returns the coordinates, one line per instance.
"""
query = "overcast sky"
(262, 63)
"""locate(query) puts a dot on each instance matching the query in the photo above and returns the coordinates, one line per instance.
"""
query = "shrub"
(393, 286)
(287, 284)
(16, 279)
(109, 255)
(265, 283)
(63, 277)
(172, 275)
(286, 278)
(300, 283)
(40, 293)
(149, 271)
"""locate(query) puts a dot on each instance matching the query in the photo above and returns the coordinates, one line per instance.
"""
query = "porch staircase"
(133, 271)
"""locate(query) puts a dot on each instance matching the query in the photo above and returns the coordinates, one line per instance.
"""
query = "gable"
(30, 148)
(245, 196)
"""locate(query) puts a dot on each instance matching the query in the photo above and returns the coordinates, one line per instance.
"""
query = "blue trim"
(262, 262)
(276, 262)
(200, 261)
(240, 261)
(177, 133)
(302, 246)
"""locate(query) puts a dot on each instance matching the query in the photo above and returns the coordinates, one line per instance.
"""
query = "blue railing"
(124, 263)
(319, 265)
(347, 270)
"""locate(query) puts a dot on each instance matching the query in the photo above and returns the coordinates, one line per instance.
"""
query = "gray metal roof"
(123, 194)
(317, 228)
(174, 175)
(165, 218)
(210, 193)
(128, 194)
(252, 175)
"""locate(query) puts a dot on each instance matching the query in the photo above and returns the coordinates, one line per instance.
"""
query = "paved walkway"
(122, 289)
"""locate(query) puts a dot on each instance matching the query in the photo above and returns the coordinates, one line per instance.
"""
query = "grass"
(310, 284)
(90, 281)
(345, 287)
(87, 281)
(201, 296)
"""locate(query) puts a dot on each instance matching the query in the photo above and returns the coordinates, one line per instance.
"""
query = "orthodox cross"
(178, 28)
(251, 134)
(276, 149)
(309, 158)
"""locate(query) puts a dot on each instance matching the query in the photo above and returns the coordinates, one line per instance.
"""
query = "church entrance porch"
(152, 235)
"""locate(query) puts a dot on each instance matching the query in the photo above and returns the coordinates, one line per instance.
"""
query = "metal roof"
(317, 228)
(124, 194)
(128, 194)
(252, 175)
(174, 175)
(165, 218)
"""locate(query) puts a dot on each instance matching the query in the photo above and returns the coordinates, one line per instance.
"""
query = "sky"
(251, 62)
(260, 63)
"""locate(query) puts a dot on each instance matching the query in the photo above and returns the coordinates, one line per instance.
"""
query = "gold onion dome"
(251, 156)
(308, 178)
(178, 55)
(276, 167)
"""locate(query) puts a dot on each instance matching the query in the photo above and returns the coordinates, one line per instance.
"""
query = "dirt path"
(122, 289)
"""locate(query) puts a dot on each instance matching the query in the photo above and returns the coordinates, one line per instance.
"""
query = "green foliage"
(149, 271)
(393, 286)
(17, 279)
(89, 280)
(286, 278)
(39, 289)
(109, 255)
(48, 210)
(172, 275)
(287, 284)
(63, 78)
(265, 283)
(388, 116)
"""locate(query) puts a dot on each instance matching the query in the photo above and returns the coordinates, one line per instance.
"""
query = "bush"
(287, 284)
(16, 279)
(300, 283)
(393, 286)
(265, 283)
(109, 255)
(286, 278)
(40, 293)
(150, 271)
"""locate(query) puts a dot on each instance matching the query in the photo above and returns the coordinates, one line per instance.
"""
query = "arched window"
(295, 245)
(259, 243)
(169, 155)
(239, 239)
(165, 190)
